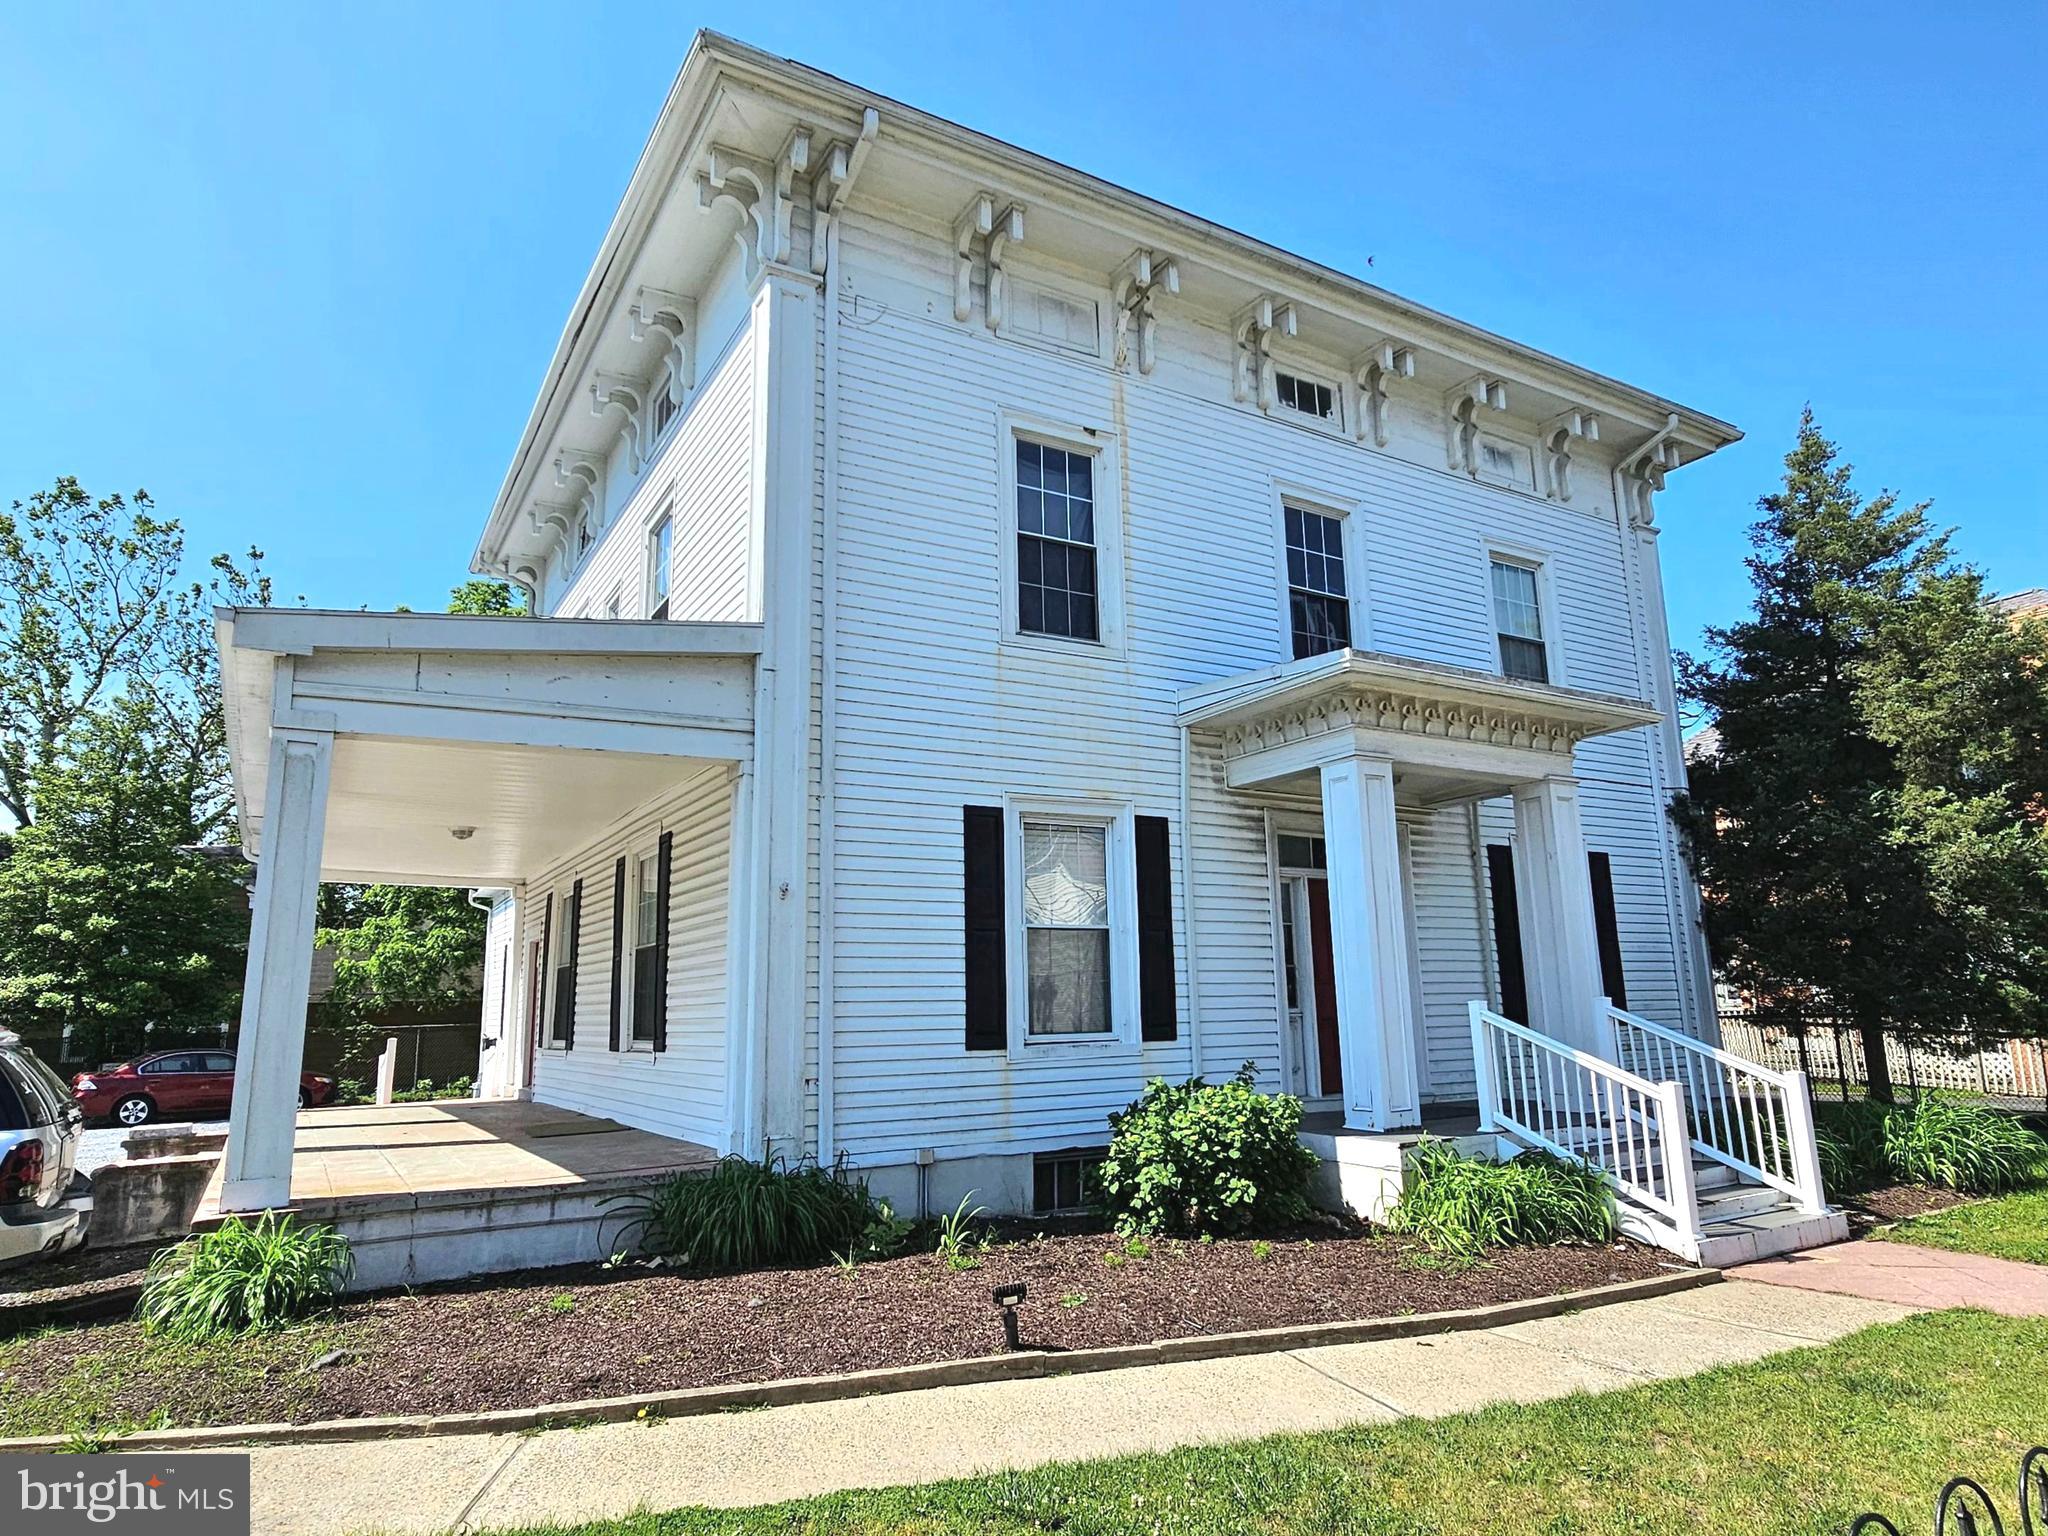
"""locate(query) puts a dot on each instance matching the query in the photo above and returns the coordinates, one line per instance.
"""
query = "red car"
(175, 1084)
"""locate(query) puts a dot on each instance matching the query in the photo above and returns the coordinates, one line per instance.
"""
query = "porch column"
(1375, 985)
(271, 1051)
(1560, 953)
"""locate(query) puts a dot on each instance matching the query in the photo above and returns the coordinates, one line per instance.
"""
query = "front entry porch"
(1353, 745)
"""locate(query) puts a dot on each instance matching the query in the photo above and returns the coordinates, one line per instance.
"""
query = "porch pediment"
(1283, 720)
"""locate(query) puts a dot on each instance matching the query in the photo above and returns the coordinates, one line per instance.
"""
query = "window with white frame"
(1306, 397)
(1318, 609)
(1057, 570)
(562, 1015)
(644, 955)
(659, 540)
(1518, 619)
(1066, 928)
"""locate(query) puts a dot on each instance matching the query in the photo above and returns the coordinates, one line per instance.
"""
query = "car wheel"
(134, 1110)
(305, 1099)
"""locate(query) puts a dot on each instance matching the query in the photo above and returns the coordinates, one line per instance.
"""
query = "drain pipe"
(1696, 974)
(828, 666)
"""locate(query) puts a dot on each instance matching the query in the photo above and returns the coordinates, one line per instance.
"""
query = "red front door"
(1329, 1058)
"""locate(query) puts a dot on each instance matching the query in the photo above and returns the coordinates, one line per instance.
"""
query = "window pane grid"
(1305, 396)
(1518, 617)
(1056, 556)
(1066, 928)
(1319, 615)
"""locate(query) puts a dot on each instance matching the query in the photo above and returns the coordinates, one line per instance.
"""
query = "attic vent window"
(662, 409)
(1306, 396)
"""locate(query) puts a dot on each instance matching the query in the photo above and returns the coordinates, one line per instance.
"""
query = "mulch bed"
(1895, 1202)
(511, 1341)
(82, 1272)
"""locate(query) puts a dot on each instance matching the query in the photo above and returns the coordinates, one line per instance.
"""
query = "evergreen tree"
(1867, 832)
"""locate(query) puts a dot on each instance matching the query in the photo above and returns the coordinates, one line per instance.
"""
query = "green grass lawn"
(1799, 1443)
(2011, 1226)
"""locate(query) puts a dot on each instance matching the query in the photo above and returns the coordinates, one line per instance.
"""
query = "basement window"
(1062, 1182)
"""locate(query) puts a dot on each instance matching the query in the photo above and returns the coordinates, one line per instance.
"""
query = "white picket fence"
(2011, 1069)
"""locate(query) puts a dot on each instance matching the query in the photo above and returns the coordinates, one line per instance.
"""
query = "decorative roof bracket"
(1138, 283)
(1254, 329)
(1008, 231)
(1642, 476)
(1378, 367)
(978, 218)
(1463, 405)
(630, 396)
(749, 187)
(672, 317)
(551, 514)
(1556, 439)
(582, 473)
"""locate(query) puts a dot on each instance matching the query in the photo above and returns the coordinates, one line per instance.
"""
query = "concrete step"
(1765, 1234)
(1730, 1202)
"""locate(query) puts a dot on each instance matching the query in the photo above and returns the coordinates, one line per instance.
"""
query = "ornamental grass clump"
(1463, 1205)
(242, 1277)
(1199, 1159)
(1958, 1144)
(747, 1215)
(1940, 1139)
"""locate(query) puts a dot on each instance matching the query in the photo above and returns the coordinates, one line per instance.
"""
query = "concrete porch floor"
(458, 1187)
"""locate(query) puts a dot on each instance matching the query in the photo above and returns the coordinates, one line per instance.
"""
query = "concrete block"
(135, 1202)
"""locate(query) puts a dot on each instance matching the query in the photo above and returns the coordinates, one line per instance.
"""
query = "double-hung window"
(1057, 589)
(562, 1017)
(1518, 619)
(643, 956)
(659, 541)
(1318, 609)
(1066, 928)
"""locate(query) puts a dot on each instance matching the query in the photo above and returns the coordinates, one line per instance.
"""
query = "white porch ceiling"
(393, 807)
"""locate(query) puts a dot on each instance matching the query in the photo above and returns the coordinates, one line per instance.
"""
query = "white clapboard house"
(1000, 639)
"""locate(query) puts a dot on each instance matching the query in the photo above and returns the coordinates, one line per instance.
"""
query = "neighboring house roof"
(1232, 259)
(1703, 744)
(2019, 605)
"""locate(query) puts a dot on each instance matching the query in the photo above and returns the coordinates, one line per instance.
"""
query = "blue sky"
(297, 270)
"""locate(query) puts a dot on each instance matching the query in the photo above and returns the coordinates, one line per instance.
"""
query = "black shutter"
(1507, 932)
(663, 857)
(981, 846)
(572, 949)
(618, 945)
(1158, 1007)
(1601, 869)
(543, 978)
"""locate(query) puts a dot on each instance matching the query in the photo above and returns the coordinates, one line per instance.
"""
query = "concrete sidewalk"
(487, 1482)
(1911, 1276)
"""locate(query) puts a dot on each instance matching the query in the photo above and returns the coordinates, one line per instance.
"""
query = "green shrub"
(243, 1276)
(744, 1215)
(1849, 1139)
(1958, 1144)
(1940, 1139)
(1461, 1205)
(1202, 1158)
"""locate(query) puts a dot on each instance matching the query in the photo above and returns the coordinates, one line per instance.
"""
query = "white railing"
(1747, 1117)
(1546, 1094)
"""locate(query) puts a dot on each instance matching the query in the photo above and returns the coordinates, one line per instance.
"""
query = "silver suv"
(45, 1203)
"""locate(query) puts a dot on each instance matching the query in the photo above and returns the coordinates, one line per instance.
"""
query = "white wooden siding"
(680, 1092)
(934, 711)
(701, 473)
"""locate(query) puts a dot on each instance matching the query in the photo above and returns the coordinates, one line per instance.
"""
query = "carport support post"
(271, 1051)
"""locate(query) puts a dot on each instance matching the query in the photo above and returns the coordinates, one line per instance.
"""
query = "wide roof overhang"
(472, 750)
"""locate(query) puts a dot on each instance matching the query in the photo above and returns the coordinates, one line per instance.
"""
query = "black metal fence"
(2010, 1073)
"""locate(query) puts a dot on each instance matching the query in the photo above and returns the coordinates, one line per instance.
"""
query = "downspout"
(828, 666)
(1696, 970)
